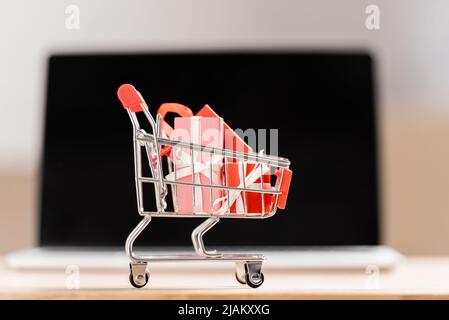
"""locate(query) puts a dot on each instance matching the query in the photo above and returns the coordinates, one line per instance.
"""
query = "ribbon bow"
(184, 160)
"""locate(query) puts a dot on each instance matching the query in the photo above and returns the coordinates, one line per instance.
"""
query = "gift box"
(189, 130)
(257, 176)
(231, 140)
(206, 168)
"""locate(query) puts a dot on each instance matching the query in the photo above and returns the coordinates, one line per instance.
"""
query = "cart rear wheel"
(254, 280)
(141, 284)
(253, 274)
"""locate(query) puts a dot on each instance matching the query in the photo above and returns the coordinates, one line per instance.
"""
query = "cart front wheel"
(140, 283)
(138, 274)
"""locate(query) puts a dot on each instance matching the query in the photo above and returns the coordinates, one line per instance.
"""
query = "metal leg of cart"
(139, 275)
(247, 272)
(248, 266)
(197, 238)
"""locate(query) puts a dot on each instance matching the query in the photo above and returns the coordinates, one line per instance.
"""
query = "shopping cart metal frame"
(248, 266)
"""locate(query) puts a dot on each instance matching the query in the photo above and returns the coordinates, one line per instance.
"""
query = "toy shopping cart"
(151, 149)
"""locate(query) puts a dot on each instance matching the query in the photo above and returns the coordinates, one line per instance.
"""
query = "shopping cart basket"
(149, 147)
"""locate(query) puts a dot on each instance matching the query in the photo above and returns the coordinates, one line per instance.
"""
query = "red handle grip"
(130, 98)
(286, 175)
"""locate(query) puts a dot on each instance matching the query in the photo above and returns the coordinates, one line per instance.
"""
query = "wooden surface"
(415, 278)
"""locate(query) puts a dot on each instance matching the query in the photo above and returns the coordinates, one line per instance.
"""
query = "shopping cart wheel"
(138, 275)
(253, 274)
(254, 281)
(135, 285)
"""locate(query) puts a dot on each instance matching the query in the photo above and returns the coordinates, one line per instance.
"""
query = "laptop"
(317, 109)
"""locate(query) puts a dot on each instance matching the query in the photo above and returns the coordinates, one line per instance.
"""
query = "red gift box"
(256, 203)
(200, 168)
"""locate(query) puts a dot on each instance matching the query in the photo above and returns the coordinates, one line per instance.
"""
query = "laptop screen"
(321, 104)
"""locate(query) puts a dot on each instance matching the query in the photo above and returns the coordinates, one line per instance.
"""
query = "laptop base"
(316, 258)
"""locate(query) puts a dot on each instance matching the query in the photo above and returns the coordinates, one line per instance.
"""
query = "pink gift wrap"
(204, 131)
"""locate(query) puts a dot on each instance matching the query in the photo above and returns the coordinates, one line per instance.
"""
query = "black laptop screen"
(321, 104)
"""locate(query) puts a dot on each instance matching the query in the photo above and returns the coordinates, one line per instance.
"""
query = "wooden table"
(415, 278)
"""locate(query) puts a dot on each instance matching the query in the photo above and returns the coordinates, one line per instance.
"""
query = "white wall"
(412, 46)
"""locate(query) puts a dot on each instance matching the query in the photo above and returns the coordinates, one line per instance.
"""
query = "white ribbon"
(248, 182)
(184, 160)
(184, 169)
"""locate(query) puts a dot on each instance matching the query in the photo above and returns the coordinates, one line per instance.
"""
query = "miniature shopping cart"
(148, 150)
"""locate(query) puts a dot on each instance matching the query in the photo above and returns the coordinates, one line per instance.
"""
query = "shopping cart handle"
(130, 97)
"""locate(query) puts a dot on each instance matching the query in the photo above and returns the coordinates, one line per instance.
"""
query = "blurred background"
(410, 48)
